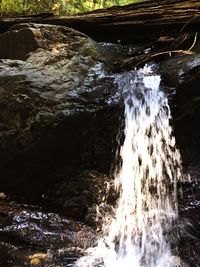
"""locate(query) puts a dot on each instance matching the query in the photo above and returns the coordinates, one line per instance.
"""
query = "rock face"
(29, 235)
(57, 126)
(55, 113)
(74, 196)
(184, 80)
(59, 118)
(181, 74)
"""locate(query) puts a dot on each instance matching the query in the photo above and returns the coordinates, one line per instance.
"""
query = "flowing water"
(138, 234)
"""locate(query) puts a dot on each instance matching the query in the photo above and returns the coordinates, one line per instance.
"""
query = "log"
(130, 24)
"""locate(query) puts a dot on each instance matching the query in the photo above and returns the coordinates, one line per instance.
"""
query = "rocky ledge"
(59, 118)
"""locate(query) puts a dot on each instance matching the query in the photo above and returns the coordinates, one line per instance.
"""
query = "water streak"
(138, 234)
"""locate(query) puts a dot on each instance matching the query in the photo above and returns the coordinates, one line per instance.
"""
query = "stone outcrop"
(56, 117)
(59, 118)
(182, 75)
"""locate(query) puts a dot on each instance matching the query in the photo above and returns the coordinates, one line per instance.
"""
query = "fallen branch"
(194, 42)
(185, 52)
(139, 61)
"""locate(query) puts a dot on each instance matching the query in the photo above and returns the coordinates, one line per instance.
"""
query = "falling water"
(138, 233)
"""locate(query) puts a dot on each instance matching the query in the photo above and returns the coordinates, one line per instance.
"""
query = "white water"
(138, 233)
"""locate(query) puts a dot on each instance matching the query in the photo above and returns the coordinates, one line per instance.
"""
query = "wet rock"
(56, 117)
(186, 235)
(182, 65)
(29, 235)
(34, 227)
(182, 74)
(76, 196)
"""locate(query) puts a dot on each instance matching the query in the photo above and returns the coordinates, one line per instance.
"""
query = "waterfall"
(139, 232)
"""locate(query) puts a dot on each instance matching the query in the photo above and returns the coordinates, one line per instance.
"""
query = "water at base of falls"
(139, 232)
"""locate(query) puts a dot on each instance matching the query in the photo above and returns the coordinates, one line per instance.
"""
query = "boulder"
(56, 113)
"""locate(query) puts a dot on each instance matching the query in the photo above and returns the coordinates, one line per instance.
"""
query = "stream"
(139, 231)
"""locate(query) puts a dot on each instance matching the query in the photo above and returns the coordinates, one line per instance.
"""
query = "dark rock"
(77, 195)
(16, 44)
(188, 228)
(56, 112)
(27, 233)
(58, 118)
(21, 39)
(175, 69)
(182, 73)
